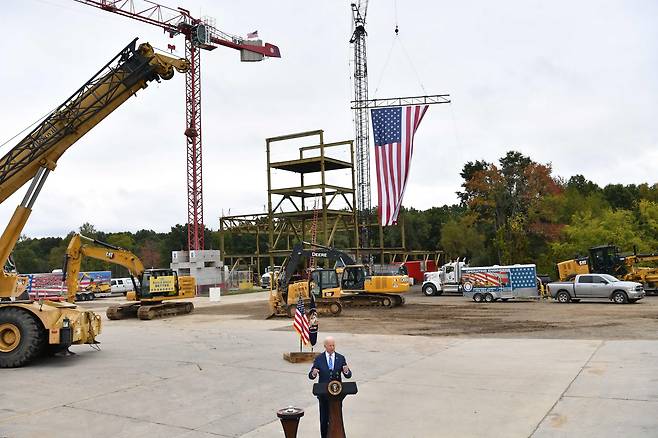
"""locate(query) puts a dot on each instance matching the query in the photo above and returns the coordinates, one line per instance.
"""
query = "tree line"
(512, 211)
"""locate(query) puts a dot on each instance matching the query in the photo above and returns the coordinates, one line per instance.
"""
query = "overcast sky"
(570, 83)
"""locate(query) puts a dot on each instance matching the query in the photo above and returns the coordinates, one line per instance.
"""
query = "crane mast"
(199, 34)
(361, 122)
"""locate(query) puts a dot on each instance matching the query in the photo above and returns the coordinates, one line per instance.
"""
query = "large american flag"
(301, 322)
(394, 129)
(484, 278)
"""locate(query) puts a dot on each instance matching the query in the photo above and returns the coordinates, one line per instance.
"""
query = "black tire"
(477, 298)
(429, 290)
(619, 297)
(387, 302)
(488, 298)
(563, 297)
(31, 341)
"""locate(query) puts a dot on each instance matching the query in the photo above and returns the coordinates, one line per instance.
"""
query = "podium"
(335, 391)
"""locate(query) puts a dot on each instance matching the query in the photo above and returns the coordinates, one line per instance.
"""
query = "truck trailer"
(484, 283)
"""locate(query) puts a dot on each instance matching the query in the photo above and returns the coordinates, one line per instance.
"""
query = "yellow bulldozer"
(347, 285)
(27, 327)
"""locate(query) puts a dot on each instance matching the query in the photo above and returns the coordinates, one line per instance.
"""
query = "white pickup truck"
(586, 286)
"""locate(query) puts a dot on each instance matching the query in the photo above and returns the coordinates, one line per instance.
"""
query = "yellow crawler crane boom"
(27, 327)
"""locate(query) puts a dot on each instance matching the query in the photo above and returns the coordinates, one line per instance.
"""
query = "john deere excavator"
(346, 285)
(27, 327)
(153, 288)
(607, 259)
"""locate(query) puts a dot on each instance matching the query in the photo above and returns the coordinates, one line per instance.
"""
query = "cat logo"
(109, 255)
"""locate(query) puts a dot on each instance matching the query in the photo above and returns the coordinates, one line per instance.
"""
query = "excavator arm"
(76, 250)
(36, 155)
(299, 253)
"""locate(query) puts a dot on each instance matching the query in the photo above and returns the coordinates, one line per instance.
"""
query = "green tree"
(461, 238)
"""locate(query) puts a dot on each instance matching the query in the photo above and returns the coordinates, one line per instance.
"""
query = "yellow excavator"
(153, 288)
(27, 327)
(347, 285)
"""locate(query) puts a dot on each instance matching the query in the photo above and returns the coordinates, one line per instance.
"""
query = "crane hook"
(396, 29)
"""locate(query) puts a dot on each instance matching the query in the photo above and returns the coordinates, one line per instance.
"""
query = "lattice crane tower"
(199, 34)
(361, 119)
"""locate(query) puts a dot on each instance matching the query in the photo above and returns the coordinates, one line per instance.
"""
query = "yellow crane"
(153, 288)
(28, 327)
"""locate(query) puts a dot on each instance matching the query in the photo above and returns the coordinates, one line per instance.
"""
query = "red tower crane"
(199, 34)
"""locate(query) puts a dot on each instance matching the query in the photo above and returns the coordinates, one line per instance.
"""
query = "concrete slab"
(600, 418)
(467, 388)
(202, 375)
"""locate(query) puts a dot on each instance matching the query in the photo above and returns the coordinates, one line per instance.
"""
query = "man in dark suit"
(329, 366)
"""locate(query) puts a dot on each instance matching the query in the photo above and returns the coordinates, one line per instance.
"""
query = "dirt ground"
(456, 316)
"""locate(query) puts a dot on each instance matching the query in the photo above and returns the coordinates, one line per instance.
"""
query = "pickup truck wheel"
(619, 297)
(488, 298)
(429, 290)
(563, 296)
(477, 298)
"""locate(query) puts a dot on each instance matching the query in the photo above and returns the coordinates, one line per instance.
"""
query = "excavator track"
(161, 310)
(148, 311)
(122, 311)
(325, 307)
(372, 300)
(329, 307)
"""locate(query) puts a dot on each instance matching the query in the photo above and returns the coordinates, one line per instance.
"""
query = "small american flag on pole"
(301, 321)
(394, 129)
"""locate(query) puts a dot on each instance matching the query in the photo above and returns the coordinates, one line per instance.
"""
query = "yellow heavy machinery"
(347, 285)
(153, 289)
(27, 328)
(607, 259)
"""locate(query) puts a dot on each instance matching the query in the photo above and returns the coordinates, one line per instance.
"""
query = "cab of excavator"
(354, 277)
(158, 282)
(324, 282)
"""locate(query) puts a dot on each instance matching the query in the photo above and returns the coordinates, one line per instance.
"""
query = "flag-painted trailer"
(491, 283)
(483, 283)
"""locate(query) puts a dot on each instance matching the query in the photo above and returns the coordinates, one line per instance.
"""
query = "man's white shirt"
(333, 359)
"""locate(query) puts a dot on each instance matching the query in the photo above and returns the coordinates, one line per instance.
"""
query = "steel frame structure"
(199, 34)
(366, 104)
